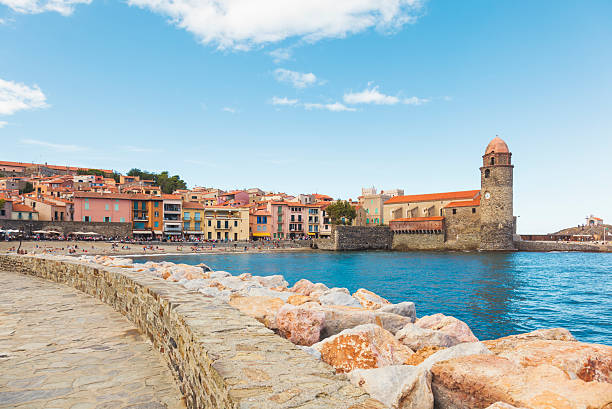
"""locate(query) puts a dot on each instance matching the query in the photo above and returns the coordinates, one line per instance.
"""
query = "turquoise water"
(496, 294)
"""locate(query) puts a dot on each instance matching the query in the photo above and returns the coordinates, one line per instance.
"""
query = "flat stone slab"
(60, 348)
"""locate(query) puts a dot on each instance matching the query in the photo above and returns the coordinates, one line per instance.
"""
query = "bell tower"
(496, 198)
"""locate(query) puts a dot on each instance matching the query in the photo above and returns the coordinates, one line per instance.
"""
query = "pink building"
(102, 207)
(236, 198)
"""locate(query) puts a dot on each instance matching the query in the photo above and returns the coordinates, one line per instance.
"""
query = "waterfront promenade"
(60, 348)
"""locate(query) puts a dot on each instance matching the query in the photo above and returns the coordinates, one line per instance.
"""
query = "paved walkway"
(60, 348)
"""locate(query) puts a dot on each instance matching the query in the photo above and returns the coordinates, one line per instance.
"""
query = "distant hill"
(590, 230)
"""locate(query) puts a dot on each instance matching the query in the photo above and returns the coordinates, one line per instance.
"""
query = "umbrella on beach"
(91, 233)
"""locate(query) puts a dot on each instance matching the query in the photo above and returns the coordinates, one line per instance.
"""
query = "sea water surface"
(495, 294)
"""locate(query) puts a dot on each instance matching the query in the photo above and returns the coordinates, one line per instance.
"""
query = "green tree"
(2, 201)
(167, 183)
(341, 212)
(94, 172)
(117, 176)
(28, 188)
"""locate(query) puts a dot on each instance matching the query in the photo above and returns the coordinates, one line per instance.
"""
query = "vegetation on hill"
(168, 184)
(97, 172)
(585, 230)
(341, 212)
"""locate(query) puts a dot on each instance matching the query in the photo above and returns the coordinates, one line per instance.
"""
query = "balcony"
(223, 227)
(172, 209)
(140, 219)
(172, 228)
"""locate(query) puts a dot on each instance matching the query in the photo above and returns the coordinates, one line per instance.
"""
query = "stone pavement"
(60, 348)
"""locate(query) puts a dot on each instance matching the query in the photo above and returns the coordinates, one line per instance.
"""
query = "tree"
(28, 188)
(167, 183)
(94, 172)
(2, 201)
(341, 212)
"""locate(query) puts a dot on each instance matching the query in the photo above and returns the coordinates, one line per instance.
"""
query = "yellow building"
(226, 223)
(193, 220)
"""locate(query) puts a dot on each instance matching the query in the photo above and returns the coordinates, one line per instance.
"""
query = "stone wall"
(561, 246)
(220, 357)
(105, 229)
(356, 238)
(418, 241)
(496, 211)
(462, 228)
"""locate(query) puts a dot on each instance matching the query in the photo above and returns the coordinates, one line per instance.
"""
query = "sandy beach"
(132, 249)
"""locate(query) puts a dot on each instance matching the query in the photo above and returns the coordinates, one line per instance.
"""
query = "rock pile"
(405, 362)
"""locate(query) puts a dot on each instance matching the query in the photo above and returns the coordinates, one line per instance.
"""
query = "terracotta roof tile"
(467, 203)
(419, 219)
(467, 194)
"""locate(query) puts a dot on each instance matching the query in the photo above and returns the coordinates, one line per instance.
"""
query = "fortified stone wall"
(559, 246)
(418, 241)
(462, 229)
(220, 357)
(357, 238)
(105, 229)
(496, 212)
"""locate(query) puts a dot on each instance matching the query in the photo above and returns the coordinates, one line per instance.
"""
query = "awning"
(141, 232)
(194, 232)
(312, 234)
(173, 233)
(157, 231)
(261, 234)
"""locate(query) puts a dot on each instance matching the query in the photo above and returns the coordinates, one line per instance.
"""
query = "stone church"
(464, 220)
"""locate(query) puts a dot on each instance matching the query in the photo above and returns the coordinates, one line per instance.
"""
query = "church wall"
(462, 228)
(420, 241)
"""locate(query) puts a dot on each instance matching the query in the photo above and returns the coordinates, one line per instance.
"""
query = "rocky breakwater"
(405, 362)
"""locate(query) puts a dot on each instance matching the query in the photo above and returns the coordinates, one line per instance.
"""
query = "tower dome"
(497, 145)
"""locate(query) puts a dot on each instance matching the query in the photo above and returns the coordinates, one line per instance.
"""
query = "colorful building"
(100, 207)
(22, 212)
(226, 223)
(147, 216)
(260, 224)
(192, 218)
(172, 215)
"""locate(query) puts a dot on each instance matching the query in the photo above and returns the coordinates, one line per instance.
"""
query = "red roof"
(419, 219)
(193, 205)
(172, 197)
(466, 194)
(467, 203)
(18, 207)
(92, 195)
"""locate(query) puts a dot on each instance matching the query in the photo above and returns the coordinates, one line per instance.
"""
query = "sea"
(496, 294)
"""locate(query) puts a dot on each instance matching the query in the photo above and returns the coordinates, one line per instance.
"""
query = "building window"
(454, 211)
(86, 206)
(30, 216)
(106, 207)
(186, 216)
(209, 235)
(209, 224)
(487, 173)
(226, 224)
(235, 223)
(156, 204)
(197, 216)
(116, 207)
(186, 226)
(493, 160)
(156, 214)
(86, 219)
(107, 220)
(156, 224)
(122, 220)
(473, 210)
(19, 216)
(197, 225)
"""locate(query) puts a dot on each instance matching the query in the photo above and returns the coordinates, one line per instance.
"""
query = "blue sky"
(300, 96)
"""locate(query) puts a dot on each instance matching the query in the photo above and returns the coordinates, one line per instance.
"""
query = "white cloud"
(280, 55)
(243, 24)
(55, 146)
(335, 107)
(297, 79)
(415, 101)
(370, 96)
(230, 110)
(64, 7)
(17, 97)
(3, 124)
(283, 101)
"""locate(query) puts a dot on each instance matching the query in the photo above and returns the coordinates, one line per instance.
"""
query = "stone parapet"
(220, 357)
(525, 245)
(65, 227)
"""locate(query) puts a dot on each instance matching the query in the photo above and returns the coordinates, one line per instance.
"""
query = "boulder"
(220, 274)
(478, 381)
(276, 281)
(588, 362)
(448, 325)
(338, 297)
(311, 351)
(263, 309)
(458, 351)
(421, 355)
(502, 405)
(370, 300)
(298, 299)
(266, 292)
(558, 334)
(416, 338)
(196, 284)
(300, 325)
(339, 318)
(305, 287)
(405, 309)
(364, 347)
(397, 386)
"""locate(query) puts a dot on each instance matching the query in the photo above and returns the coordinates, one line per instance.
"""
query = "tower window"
(487, 173)
(493, 160)
(473, 210)
(454, 211)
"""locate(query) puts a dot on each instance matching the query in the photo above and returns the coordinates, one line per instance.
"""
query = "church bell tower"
(496, 198)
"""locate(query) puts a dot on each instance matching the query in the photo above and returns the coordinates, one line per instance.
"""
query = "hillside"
(590, 230)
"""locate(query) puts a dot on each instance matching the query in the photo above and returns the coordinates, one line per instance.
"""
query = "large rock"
(300, 325)
(263, 309)
(558, 334)
(397, 386)
(339, 318)
(338, 296)
(305, 287)
(370, 300)
(478, 381)
(502, 405)
(266, 292)
(448, 325)
(364, 347)
(416, 338)
(458, 351)
(588, 362)
(298, 299)
(405, 308)
(275, 281)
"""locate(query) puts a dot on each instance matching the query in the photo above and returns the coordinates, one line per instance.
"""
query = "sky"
(304, 96)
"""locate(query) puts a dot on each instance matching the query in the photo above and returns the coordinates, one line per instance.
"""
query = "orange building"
(147, 216)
